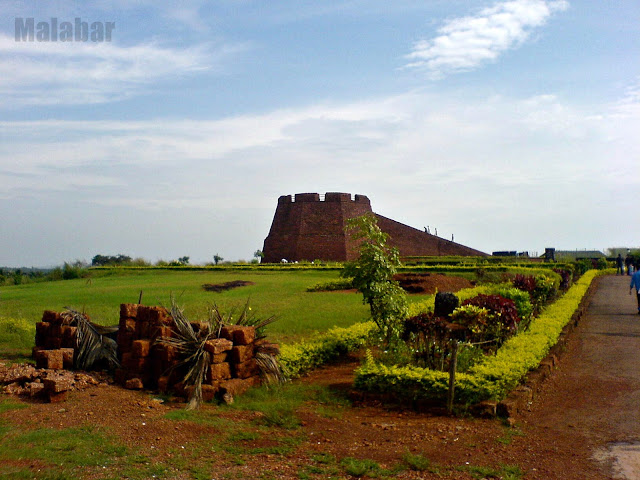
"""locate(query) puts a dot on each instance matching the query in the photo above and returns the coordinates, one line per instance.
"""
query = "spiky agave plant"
(190, 344)
(92, 341)
(266, 354)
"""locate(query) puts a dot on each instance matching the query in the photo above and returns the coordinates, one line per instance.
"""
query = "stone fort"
(308, 226)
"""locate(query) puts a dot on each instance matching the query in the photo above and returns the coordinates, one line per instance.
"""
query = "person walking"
(620, 265)
(635, 283)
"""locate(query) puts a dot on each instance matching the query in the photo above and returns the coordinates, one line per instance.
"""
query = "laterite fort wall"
(307, 227)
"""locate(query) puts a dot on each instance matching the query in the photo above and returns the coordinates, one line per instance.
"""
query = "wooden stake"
(452, 376)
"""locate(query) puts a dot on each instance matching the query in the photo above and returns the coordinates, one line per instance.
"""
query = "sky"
(512, 125)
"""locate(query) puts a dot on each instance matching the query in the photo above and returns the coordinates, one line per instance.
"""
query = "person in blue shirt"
(635, 283)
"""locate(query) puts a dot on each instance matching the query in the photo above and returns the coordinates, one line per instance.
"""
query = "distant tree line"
(80, 269)
(19, 276)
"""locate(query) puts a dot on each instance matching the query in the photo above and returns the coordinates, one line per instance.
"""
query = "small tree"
(217, 258)
(258, 255)
(372, 275)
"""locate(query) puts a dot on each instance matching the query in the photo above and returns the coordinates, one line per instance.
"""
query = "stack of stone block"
(147, 363)
(55, 346)
(141, 360)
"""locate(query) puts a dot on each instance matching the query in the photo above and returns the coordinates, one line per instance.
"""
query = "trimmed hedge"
(301, 357)
(427, 304)
(342, 284)
(232, 267)
(492, 378)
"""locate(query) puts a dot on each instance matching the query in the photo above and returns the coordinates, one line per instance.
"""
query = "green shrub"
(500, 322)
(303, 356)
(70, 272)
(427, 305)
(491, 378)
(522, 300)
(372, 274)
(343, 284)
(17, 336)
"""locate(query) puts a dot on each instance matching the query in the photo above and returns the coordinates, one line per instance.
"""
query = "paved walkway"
(593, 399)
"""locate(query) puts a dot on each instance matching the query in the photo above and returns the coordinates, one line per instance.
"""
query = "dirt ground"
(429, 283)
(583, 423)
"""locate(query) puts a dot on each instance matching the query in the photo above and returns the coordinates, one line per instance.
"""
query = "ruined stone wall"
(308, 227)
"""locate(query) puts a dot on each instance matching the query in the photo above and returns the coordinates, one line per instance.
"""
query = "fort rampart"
(310, 226)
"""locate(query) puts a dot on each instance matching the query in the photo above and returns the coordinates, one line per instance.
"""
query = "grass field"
(282, 294)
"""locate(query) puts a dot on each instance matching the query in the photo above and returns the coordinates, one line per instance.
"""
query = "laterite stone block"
(220, 371)
(141, 348)
(218, 345)
(219, 357)
(244, 335)
(241, 353)
(246, 369)
(42, 328)
(51, 359)
(67, 357)
(52, 317)
(129, 310)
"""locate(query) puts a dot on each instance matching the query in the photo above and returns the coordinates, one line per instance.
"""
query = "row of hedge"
(532, 269)
(480, 261)
(301, 357)
(493, 377)
(500, 268)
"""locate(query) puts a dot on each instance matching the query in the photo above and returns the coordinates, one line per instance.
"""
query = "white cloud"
(467, 166)
(466, 43)
(44, 73)
(407, 139)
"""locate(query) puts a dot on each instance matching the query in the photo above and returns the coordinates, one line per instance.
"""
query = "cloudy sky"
(512, 125)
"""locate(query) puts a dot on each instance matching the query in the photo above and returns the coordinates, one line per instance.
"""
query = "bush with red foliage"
(566, 278)
(502, 321)
(526, 283)
(428, 337)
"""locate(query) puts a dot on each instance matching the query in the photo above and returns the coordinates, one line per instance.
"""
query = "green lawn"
(283, 294)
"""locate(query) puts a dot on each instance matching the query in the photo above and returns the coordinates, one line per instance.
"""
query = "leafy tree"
(73, 270)
(110, 260)
(184, 260)
(217, 258)
(372, 275)
(258, 254)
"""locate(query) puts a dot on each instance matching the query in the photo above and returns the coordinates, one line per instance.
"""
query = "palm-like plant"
(92, 341)
(190, 344)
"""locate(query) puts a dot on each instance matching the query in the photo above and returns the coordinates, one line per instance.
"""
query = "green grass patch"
(17, 473)
(278, 404)
(201, 417)
(82, 446)
(66, 454)
(365, 467)
(8, 404)
(16, 338)
(282, 293)
(419, 463)
(503, 472)
(509, 435)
